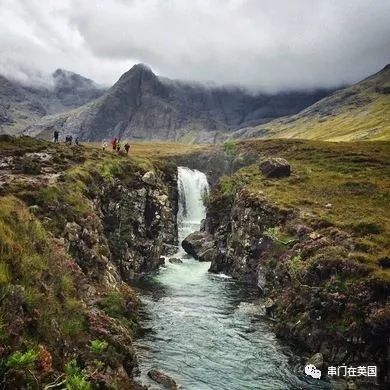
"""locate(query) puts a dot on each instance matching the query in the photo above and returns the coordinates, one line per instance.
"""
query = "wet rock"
(163, 379)
(275, 167)
(200, 245)
(175, 260)
(161, 260)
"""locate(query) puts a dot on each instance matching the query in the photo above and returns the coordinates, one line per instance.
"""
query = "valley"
(100, 221)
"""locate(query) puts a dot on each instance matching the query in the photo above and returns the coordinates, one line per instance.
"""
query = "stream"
(208, 331)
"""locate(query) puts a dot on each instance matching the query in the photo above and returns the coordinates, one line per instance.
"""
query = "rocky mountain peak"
(138, 71)
(141, 68)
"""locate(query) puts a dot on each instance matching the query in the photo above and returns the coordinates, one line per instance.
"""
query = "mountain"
(73, 90)
(359, 112)
(141, 105)
(22, 105)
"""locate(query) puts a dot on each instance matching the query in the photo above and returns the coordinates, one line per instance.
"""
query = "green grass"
(346, 185)
(21, 360)
(28, 259)
(22, 241)
(75, 377)
(98, 346)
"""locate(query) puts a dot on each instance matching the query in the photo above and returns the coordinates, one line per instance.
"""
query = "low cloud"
(269, 45)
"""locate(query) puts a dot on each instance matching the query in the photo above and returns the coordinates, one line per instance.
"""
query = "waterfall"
(193, 186)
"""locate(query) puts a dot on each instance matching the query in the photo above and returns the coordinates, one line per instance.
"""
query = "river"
(208, 331)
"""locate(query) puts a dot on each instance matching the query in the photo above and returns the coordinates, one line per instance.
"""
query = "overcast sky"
(266, 44)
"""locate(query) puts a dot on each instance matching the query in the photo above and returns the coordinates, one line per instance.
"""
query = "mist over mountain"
(141, 105)
(358, 112)
(23, 103)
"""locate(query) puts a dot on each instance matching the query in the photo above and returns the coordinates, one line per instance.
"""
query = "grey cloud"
(267, 44)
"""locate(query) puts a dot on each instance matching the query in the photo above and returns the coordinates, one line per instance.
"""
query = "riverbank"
(76, 224)
(315, 243)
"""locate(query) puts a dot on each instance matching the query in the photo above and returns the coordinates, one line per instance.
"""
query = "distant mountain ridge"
(141, 105)
(22, 105)
(358, 112)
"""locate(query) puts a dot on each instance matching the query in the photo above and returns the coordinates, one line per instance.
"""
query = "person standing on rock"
(56, 135)
(113, 143)
(127, 147)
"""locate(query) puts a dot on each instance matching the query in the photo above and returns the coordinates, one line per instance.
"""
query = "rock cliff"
(308, 246)
(75, 226)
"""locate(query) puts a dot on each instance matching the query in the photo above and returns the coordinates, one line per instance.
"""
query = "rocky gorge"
(78, 225)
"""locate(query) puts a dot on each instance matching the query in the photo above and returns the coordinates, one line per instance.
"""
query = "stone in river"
(163, 379)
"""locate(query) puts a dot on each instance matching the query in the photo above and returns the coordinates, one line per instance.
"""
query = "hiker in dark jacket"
(127, 147)
(56, 135)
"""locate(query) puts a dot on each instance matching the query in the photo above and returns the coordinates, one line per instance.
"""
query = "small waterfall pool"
(207, 331)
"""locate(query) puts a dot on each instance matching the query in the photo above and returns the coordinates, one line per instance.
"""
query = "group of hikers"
(68, 138)
(116, 143)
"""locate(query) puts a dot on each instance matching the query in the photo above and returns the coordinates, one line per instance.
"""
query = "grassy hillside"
(360, 112)
(345, 185)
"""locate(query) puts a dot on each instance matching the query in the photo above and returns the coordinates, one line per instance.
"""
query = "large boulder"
(275, 167)
(200, 245)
